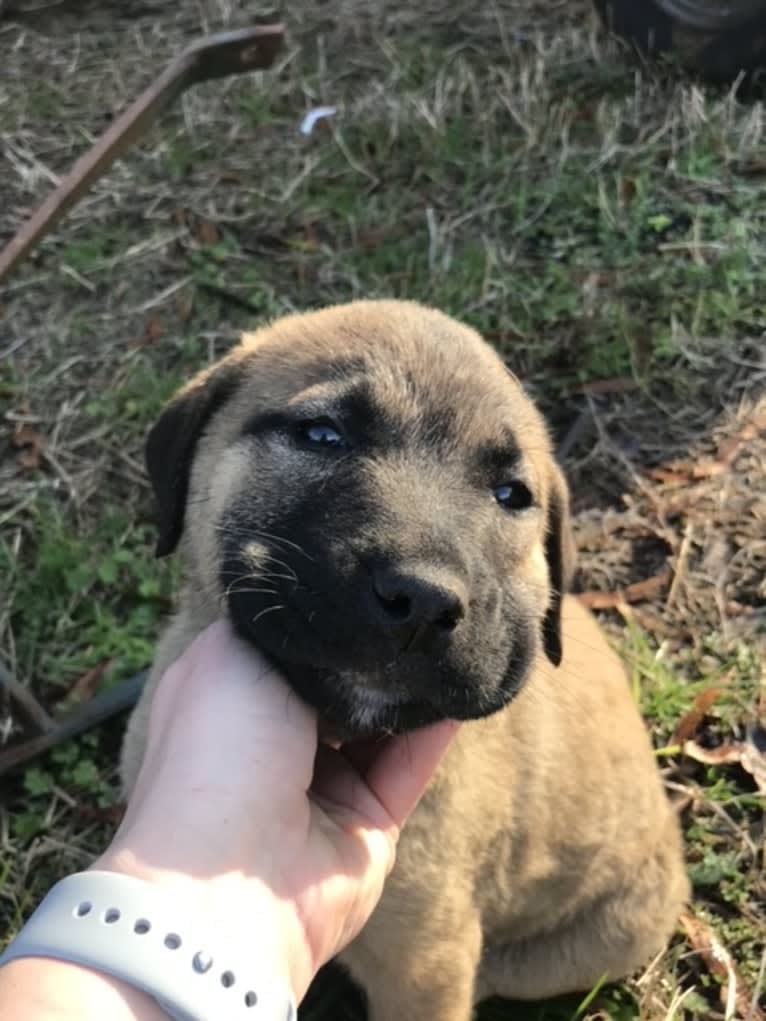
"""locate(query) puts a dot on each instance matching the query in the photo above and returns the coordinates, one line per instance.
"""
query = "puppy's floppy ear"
(172, 441)
(560, 555)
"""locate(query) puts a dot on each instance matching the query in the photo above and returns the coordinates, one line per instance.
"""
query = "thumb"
(399, 775)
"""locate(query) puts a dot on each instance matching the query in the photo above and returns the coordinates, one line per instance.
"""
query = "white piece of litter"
(317, 114)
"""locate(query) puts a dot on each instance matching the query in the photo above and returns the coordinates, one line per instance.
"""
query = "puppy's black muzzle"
(408, 629)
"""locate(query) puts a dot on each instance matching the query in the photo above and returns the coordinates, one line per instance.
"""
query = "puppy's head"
(373, 500)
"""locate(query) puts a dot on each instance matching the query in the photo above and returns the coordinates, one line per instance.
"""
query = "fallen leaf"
(372, 236)
(208, 233)
(735, 609)
(748, 168)
(86, 686)
(635, 593)
(25, 435)
(683, 472)
(654, 623)
(667, 475)
(643, 348)
(309, 241)
(29, 460)
(229, 177)
(111, 814)
(731, 447)
(691, 721)
(185, 304)
(724, 755)
(154, 330)
(616, 385)
(30, 442)
(735, 996)
(707, 469)
(750, 754)
(628, 190)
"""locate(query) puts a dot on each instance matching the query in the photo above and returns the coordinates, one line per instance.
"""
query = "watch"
(128, 929)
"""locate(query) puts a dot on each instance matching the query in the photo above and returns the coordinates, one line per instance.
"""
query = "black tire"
(718, 40)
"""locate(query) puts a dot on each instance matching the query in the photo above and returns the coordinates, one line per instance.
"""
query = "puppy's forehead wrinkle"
(447, 391)
(327, 392)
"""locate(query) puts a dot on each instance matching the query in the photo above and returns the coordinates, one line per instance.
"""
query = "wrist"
(241, 908)
(34, 987)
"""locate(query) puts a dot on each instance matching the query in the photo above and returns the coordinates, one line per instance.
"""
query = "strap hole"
(142, 926)
(83, 908)
(250, 999)
(111, 915)
(227, 979)
(202, 962)
(172, 941)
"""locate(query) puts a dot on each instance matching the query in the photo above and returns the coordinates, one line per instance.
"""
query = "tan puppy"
(369, 495)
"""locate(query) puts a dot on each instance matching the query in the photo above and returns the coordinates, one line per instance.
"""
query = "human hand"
(280, 843)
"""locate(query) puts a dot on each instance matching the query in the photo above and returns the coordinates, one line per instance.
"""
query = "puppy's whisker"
(289, 571)
(261, 575)
(267, 609)
(247, 583)
(273, 576)
(222, 527)
(261, 558)
(240, 580)
(269, 558)
(245, 580)
(245, 576)
(281, 539)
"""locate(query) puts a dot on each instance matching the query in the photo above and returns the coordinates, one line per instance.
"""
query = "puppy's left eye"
(321, 434)
(513, 496)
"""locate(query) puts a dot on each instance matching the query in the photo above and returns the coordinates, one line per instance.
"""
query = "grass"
(598, 221)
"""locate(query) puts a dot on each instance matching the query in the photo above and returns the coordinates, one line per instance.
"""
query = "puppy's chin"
(357, 717)
(362, 702)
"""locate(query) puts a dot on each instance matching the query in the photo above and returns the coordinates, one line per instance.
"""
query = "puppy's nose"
(418, 604)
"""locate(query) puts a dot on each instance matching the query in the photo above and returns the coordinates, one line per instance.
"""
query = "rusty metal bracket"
(215, 56)
(48, 732)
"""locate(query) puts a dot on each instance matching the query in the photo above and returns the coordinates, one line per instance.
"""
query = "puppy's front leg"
(444, 1004)
(441, 992)
(428, 975)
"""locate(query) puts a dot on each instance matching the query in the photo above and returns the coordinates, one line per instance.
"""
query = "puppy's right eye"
(321, 434)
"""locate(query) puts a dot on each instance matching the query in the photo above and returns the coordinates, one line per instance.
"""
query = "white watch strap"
(128, 929)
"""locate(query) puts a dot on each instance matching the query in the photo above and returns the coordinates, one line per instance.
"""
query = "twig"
(751, 1014)
(30, 707)
(634, 593)
(720, 964)
(679, 567)
(228, 296)
(574, 434)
